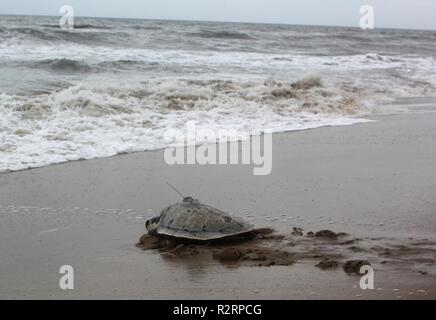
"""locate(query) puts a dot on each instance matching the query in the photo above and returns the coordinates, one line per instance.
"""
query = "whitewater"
(114, 86)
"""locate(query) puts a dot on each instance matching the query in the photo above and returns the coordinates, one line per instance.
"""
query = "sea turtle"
(193, 220)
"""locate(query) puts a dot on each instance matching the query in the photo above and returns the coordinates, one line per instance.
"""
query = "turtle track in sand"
(326, 249)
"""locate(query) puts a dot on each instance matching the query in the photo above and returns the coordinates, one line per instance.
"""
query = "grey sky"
(420, 14)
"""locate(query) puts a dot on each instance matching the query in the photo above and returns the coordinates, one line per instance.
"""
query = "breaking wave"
(114, 86)
(103, 118)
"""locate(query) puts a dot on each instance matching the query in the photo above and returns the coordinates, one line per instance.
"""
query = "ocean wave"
(89, 37)
(139, 27)
(50, 35)
(125, 64)
(79, 26)
(205, 35)
(210, 34)
(207, 61)
(32, 33)
(120, 90)
(97, 118)
(102, 116)
(70, 66)
(62, 65)
(382, 58)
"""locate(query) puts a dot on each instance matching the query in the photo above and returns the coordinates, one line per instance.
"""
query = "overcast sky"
(414, 14)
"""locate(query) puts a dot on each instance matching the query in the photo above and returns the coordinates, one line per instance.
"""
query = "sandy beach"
(374, 181)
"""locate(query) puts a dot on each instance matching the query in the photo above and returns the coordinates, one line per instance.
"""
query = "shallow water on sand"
(375, 182)
(100, 245)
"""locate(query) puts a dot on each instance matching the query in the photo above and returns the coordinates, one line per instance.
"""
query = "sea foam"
(117, 86)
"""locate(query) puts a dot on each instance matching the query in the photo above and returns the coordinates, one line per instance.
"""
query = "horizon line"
(223, 21)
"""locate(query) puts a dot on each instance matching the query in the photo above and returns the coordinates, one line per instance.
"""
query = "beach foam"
(93, 120)
(111, 87)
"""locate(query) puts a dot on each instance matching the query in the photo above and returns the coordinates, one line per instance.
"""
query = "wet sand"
(375, 181)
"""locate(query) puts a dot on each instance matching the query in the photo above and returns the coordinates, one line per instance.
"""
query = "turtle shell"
(193, 220)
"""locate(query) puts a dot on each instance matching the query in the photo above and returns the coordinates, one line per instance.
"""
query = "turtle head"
(151, 224)
(190, 200)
